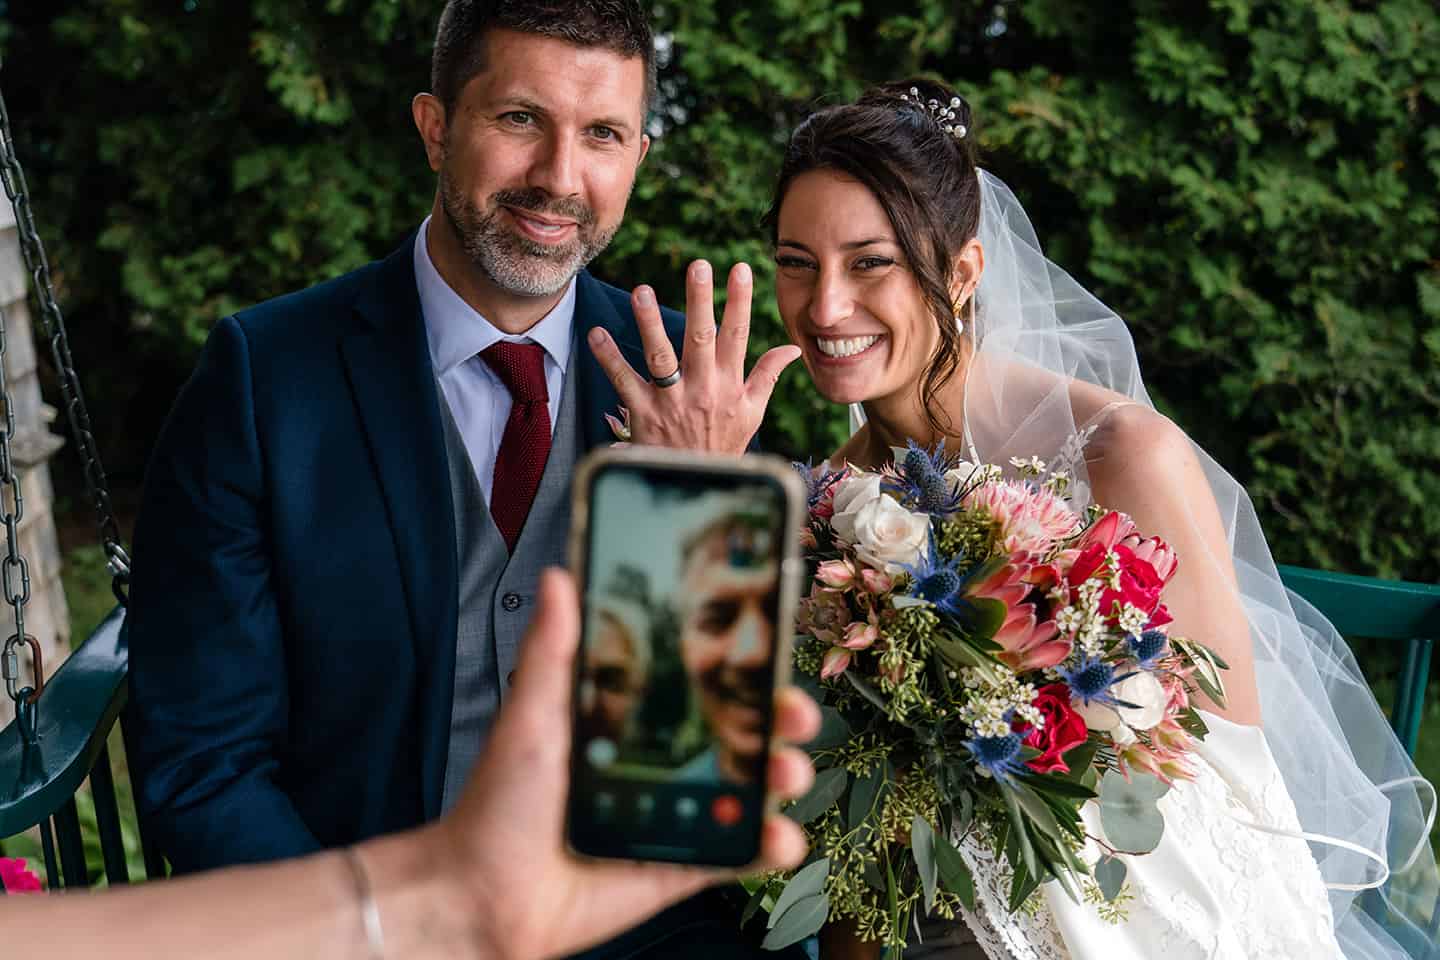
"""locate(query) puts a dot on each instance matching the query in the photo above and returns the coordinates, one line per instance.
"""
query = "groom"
(347, 512)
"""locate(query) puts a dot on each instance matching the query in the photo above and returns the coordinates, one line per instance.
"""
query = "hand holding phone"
(689, 567)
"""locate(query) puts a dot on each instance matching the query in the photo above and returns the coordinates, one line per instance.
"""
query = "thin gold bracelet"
(369, 910)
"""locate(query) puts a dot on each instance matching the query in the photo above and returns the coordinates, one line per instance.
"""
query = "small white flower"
(1069, 620)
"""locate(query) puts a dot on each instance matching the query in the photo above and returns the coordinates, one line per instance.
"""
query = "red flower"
(1140, 585)
(1064, 730)
(15, 877)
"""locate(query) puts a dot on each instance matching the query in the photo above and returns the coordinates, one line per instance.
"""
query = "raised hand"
(703, 401)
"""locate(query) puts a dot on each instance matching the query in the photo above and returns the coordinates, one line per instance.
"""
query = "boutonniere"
(620, 426)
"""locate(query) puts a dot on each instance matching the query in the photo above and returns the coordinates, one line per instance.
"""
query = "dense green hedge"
(1252, 184)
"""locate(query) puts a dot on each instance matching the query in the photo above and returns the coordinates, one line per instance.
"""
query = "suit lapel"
(597, 397)
(392, 379)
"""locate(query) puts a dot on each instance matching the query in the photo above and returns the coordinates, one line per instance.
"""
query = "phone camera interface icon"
(687, 808)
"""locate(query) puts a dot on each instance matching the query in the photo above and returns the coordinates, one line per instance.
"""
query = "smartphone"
(689, 568)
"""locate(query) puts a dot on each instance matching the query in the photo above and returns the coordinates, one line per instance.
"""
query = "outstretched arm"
(208, 685)
(492, 879)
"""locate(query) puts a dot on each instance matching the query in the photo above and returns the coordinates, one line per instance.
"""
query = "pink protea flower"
(1028, 645)
(15, 877)
(1030, 518)
(1007, 584)
(877, 582)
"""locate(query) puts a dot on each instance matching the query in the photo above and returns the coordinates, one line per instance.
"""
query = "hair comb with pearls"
(942, 114)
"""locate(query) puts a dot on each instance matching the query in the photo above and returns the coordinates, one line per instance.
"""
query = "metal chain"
(13, 567)
(53, 324)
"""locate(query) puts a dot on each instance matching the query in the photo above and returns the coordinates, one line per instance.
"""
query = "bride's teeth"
(846, 347)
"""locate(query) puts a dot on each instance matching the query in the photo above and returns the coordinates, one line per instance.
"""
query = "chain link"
(12, 502)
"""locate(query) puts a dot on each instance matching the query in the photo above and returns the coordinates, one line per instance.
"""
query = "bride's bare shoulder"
(852, 450)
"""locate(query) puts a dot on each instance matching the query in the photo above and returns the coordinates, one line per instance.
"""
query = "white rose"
(961, 474)
(1098, 717)
(1149, 697)
(889, 536)
(851, 494)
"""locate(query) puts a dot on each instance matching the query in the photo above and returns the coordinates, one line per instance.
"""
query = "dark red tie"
(526, 444)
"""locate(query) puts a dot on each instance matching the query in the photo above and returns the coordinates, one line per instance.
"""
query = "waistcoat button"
(511, 602)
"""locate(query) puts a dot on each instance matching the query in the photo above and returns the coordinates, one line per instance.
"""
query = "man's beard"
(516, 263)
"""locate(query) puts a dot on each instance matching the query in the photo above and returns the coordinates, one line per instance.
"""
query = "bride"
(916, 290)
(914, 287)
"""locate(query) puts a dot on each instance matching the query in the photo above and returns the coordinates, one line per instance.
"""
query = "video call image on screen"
(675, 686)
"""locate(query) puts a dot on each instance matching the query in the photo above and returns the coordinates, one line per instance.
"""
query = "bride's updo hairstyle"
(924, 176)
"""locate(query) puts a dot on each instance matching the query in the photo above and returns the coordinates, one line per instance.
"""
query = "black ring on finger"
(669, 380)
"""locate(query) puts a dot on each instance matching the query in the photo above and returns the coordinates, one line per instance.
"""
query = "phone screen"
(676, 674)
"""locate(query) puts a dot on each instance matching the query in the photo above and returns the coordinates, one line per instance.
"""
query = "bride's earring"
(956, 309)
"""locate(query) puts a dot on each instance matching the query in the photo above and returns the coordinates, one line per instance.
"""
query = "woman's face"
(846, 293)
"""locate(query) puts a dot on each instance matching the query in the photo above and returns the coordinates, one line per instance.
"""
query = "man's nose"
(556, 168)
(752, 639)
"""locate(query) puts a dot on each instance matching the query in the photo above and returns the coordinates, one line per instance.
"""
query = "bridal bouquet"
(988, 661)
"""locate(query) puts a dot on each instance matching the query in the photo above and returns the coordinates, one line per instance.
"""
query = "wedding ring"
(669, 380)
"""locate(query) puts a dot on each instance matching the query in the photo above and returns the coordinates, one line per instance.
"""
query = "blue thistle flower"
(935, 579)
(919, 480)
(816, 482)
(1148, 648)
(1091, 680)
(998, 756)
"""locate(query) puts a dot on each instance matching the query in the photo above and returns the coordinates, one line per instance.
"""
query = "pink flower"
(1140, 585)
(877, 582)
(1028, 645)
(620, 426)
(1007, 584)
(860, 636)
(1030, 518)
(838, 574)
(1155, 552)
(835, 662)
(15, 877)
(1107, 531)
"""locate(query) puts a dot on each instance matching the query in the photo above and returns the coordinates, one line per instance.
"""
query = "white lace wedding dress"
(1215, 889)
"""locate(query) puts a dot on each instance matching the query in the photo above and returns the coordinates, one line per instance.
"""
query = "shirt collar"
(457, 332)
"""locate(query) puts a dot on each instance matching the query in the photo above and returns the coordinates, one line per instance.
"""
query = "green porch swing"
(58, 737)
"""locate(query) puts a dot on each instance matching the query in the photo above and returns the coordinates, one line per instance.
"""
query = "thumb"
(544, 676)
(766, 372)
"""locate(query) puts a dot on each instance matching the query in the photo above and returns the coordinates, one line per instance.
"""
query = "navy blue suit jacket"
(292, 620)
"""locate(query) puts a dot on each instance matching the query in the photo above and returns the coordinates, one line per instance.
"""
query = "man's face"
(539, 155)
(727, 639)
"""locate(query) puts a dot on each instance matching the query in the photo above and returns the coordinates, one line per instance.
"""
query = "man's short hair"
(617, 25)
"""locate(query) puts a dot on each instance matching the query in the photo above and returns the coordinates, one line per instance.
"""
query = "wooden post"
(47, 617)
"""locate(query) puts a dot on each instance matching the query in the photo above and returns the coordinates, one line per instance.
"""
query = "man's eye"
(793, 263)
(717, 616)
(519, 118)
(604, 133)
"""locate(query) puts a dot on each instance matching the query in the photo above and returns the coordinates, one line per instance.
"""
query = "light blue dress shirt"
(478, 399)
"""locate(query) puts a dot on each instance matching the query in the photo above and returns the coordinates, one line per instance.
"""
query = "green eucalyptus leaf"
(1110, 875)
(828, 787)
(1128, 812)
(865, 689)
(807, 883)
(1056, 785)
(1019, 833)
(922, 845)
(1080, 759)
(803, 919)
(954, 873)
(753, 904)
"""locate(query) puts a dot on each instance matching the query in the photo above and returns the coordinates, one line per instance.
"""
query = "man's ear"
(644, 148)
(965, 272)
(430, 121)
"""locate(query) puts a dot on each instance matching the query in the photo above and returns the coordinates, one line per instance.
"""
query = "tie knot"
(521, 367)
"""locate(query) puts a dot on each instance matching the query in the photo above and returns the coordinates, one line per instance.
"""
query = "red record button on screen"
(726, 810)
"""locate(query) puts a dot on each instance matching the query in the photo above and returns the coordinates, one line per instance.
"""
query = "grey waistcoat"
(497, 591)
